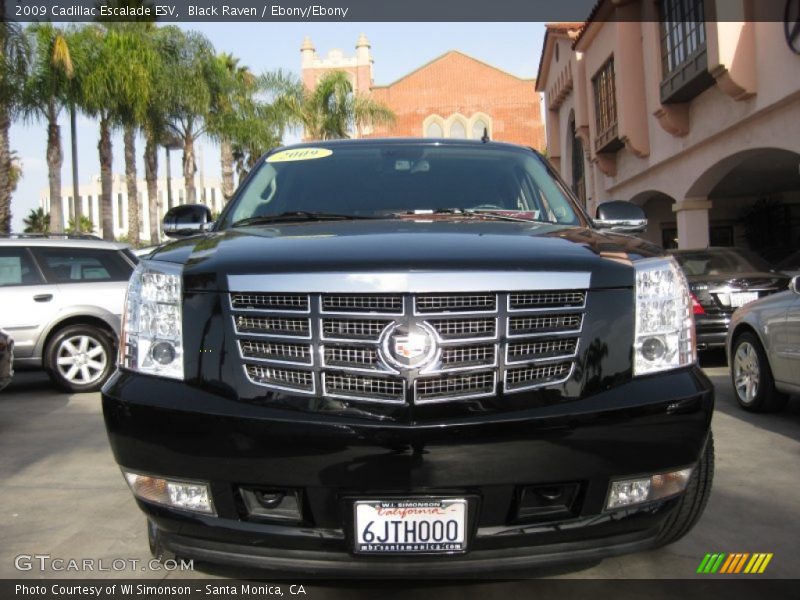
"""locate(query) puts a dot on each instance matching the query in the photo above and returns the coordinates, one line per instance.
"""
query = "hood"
(405, 245)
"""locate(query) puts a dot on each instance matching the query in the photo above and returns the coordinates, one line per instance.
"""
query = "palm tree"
(331, 110)
(190, 71)
(233, 102)
(46, 94)
(37, 221)
(115, 83)
(14, 59)
(82, 224)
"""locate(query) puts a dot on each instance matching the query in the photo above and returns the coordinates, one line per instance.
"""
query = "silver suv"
(62, 300)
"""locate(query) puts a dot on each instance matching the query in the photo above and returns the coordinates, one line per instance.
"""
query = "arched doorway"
(755, 201)
(661, 226)
(578, 181)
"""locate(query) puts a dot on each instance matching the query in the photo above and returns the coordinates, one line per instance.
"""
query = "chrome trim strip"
(276, 336)
(415, 282)
(363, 314)
(272, 386)
(417, 400)
(534, 386)
(309, 365)
(278, 311)
(326, 393)
(533, 361)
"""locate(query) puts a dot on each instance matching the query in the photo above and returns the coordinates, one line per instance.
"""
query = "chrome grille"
(357, 303)
(302, 381)
(489, 343)
(531, 300)
(278, 351)
(465, 328)
(351, 356)
(455, 387)
(541, 349)
(536, 376)
(281, 326)
(433, 303)
(468, 356)
(366, 388)
(277, 302)
(352, 329)
(544, 324)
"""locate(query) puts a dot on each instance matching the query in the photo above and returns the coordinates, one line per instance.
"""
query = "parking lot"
(62, 494)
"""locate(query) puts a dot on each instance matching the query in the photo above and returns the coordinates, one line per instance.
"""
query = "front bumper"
(168, 428)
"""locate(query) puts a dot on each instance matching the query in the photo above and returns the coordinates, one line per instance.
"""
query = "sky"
(397, 49)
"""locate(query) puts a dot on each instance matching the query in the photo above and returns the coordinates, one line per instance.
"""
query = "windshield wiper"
(472, 212)
(298, 215)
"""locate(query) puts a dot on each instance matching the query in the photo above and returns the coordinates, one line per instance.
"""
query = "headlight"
(664, 331)
(152, 333)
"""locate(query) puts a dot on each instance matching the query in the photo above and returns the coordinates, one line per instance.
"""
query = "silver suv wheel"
(81, 359)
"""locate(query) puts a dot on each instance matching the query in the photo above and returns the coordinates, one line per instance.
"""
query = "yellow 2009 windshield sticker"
(299, 154)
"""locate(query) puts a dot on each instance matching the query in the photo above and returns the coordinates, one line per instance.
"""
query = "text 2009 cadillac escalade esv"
(409, 356)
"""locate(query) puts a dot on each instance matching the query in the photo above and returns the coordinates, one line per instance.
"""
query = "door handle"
(43, 297)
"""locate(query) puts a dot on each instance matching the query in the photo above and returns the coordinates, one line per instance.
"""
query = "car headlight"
(664, 331)
(152, 332)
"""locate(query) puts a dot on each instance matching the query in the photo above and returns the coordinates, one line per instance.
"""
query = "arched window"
(434, 130)
(478, 128)
(457, 130)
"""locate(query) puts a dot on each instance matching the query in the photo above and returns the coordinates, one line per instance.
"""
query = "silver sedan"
(763, 347)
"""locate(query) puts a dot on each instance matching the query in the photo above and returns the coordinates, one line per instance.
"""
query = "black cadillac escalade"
(409, 356)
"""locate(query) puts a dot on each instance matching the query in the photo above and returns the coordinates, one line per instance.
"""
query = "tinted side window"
(75, 265)
(17, 268)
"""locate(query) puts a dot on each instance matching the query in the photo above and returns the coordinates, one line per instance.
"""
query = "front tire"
(752, 378)
(80, 358)
(693, 501)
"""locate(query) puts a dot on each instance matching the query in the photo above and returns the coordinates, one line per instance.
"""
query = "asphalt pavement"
(62, 495)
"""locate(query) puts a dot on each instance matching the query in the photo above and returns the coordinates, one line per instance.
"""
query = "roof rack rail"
(69, 236)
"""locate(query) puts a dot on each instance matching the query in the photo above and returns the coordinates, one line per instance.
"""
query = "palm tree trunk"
(226, 162)
(106, 158)
(74, 141)
(151, 176)
(55, 159)
(5, 171)
(129, 138)
(189, 167)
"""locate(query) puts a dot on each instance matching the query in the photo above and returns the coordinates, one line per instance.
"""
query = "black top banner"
(173, 11)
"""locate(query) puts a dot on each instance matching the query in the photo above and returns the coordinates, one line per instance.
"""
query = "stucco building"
(685, 107)
(453, 95)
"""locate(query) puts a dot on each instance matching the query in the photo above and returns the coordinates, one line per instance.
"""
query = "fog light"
(283, 505)
(629, 492)
(185, 495)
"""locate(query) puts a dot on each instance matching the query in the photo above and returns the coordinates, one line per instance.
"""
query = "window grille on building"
(605, 106)
(684, 63)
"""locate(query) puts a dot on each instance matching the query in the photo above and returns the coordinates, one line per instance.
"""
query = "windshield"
(720, 262)
(385, 180)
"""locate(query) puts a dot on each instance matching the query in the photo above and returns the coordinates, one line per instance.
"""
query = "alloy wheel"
(746, 372)
(81, 359)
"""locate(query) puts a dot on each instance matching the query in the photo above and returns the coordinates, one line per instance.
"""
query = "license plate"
(741, 298)
(411, 525)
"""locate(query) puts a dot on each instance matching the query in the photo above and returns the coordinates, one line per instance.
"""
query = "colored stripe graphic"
(734, 563)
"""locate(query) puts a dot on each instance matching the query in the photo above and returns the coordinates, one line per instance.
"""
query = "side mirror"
(186, 219)
(794, 284)
(621, 217)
